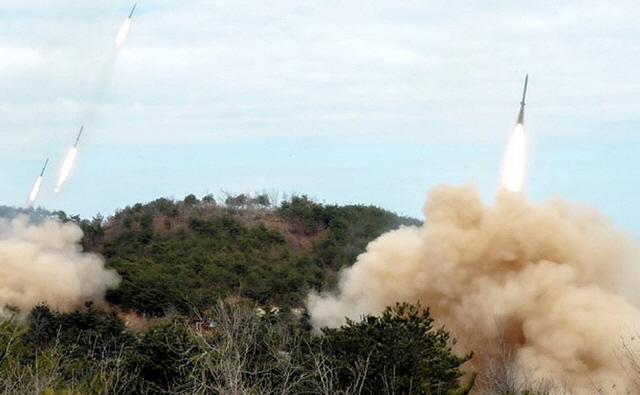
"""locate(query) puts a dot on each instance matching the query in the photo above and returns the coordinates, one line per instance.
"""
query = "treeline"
(184, 255)
(233, 350)
(35, 214)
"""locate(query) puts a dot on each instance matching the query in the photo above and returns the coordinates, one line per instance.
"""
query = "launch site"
(393, 198)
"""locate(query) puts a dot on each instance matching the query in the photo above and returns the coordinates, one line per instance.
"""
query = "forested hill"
(185, 255)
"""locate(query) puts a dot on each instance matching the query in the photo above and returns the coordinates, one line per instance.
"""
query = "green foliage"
(246, 201)
(240, 200)
(85, 333)
(10, 341)
(397, 352)
(261, 200)
(351, 228)
(209, 199)
(190, 200)
(64, 353)
(188, 269)
(93, 232)
(183, 255)
(231, 349)
(42, 327)
(306, 214)
(162, 355)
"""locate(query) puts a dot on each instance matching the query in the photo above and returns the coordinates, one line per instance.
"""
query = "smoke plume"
(43, 263)
(548, 282)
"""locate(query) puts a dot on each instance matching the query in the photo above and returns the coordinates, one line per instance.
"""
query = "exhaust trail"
(124, 29)
(514, 160)
(36, 187)
(68, 163)
(91, 112)
(515, 155)
(105, 73)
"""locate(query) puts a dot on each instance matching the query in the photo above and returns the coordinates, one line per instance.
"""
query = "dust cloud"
(44, 263)
(548, 284)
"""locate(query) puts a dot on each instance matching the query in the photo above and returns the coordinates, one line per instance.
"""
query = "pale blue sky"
(346, 101)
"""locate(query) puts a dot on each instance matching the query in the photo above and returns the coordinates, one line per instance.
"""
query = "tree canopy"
(398, 352)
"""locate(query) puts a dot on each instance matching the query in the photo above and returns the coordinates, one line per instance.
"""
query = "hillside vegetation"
(185, 255)
(238, 353)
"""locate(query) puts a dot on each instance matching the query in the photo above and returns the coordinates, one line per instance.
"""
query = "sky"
(348, 102)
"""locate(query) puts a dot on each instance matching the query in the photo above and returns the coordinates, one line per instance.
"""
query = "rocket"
(78, 138)
(515, 155)
(44, 167)
(524, 93)
(36, 187)
(124, 29)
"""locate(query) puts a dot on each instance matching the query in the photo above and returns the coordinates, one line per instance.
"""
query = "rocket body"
(524, 93)
(33, 195)
(68, 162)
(78, 138)
(44, 167)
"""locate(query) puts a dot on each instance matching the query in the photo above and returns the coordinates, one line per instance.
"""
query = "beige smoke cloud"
(44, 263)
(548, 280)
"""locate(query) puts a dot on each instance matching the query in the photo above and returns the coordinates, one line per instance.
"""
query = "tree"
(236, 201)
(163, 355)
(398, 352)
(42, 327)
(243, 352)
(190, 200)
(261, 200)
(209, 199)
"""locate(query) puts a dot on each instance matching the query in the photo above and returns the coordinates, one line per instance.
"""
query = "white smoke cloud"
(549, 280)
(44, 263)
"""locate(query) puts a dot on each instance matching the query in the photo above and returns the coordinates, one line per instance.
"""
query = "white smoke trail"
(514, 161)
(44, 264)
(35, 190)
(122, 33)
(548, 279)
(66, 168)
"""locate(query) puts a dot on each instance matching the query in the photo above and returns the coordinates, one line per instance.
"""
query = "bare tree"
(245, 353)
(224, 353)
(503, 376)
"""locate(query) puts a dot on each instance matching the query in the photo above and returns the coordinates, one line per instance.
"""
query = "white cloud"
(363, 58)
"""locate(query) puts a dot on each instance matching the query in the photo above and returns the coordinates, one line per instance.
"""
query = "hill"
(185, 255)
